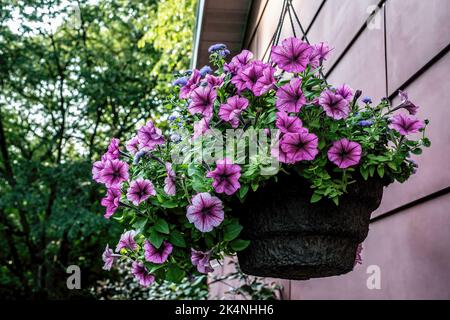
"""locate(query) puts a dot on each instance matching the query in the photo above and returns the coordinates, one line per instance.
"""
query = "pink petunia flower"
(149, 136)
(226, 177)
(205, 212)
(127, 241)
(345, 92)
(141, 273)
(213, 81)
(191, 85)
(132, 145)
(97, 169)
(201, 260)
(256, 77)
(290, 97)
(406, 104)
(113, 151)
(406, 125)
(200, 127)
(299, 147)
(265, 83)
(319, 54)
(289, 124)
(111, 201)
(169, 181)
(114, 173)
(109, 258)
(231, 111)
(345, 153)
(202, 101)
(292, 55)
(140, 190)
(158, 256)
(335, 105)
(238, 62)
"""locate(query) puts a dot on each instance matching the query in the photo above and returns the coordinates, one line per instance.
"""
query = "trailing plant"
(234, 129)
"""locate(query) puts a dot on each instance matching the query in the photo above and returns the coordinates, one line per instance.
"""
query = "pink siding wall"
(409, 238)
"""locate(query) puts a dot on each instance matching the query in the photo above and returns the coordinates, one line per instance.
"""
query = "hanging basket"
(294, 239)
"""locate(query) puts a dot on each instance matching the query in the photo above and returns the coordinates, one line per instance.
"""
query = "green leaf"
(239, 244)
(243, 191)
(316, 197)
(336, 200)
(175, 274)
(156, 238)
(380, 171)
(255, 186)
(140, 223)
(232, 231)
(364, 172)
(392, 165)
(417, 151)
(177, 239)
(426, 142)
(372, 170)
(161, 226)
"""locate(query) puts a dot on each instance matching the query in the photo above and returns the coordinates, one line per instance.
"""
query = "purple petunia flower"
(201, 260)
(111, 201)
(406, 104)
(319, 54)
(231, 110)
(345, 153)
(141, 273)
(109, 258)
(213, 81)
(203, 99)
(205, 70)
(289, 124)
(205, 212)
(334, 104)
(140, 190)
(114, 173)
(97, 169)
(358, 255)
(292, 55)
(217, 47)
(113, 151)
(257, 76)
(158, 256)
(238, 62)
(149, 136)
(405, 125)
(191, 84)
(132, 145)
(290, 97)
(226, 176)
(169, 181)
(200, 127)
(299, 147)
(345, 92)
(266, 82)
(127, 241)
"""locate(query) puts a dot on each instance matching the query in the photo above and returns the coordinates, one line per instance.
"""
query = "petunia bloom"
(406, 125)
(111, 201)
(201, 260)
(127, 241)
(202, 101)
(191, 84)
(345, 92)
(113, 151)
(226, 176)
(292, 55)
(358, 255)
(97, 169)
(345, 153)
(231, 110)
(141, 273)
(132, 145)
(205, 212)
(149, 136)
(256, 76)
(319, 54)
(140, 190)
(114, 173)
(158, 256)
(169, 181)
(290, 97)
(334, 104)
(238, 62)
(213, 81)
(299, 146)
(406, 104)
(289, 124)
(109, 258)
(266, 82)
(200, 127)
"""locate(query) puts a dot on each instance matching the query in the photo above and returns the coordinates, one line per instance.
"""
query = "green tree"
(65, 90)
